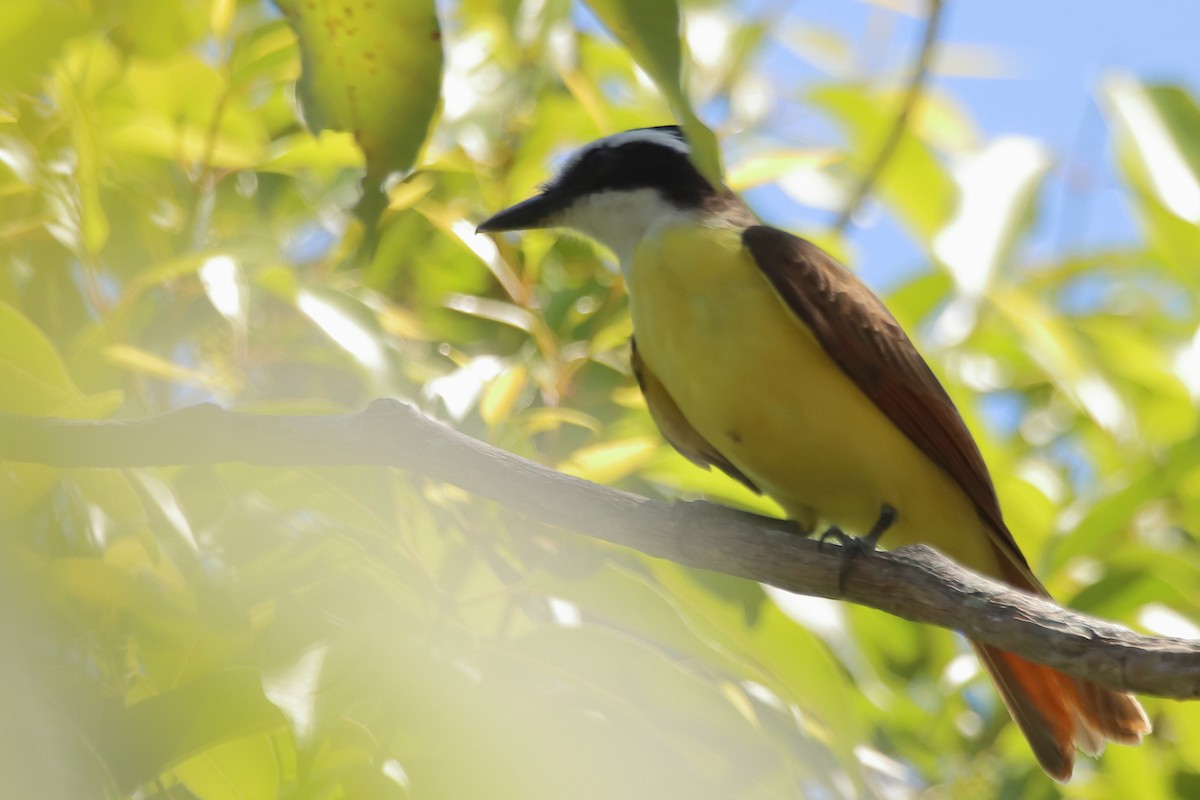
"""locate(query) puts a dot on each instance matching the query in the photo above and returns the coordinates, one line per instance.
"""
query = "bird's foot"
(858, 545)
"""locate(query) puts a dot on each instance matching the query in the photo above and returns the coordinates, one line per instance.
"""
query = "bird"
(762, 356)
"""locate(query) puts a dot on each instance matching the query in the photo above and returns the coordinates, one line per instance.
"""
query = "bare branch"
(915, 583)
(916, 85)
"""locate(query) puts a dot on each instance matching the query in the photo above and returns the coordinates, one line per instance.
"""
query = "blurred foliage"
(170, 233)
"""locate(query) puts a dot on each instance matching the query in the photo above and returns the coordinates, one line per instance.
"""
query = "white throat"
(621, 220)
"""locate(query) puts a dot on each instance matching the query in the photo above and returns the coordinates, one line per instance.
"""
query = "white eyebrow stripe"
(649, 135)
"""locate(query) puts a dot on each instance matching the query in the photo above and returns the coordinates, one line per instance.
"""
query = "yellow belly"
(754, 382)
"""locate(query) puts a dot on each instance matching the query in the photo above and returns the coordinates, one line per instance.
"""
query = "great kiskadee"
(762, 356)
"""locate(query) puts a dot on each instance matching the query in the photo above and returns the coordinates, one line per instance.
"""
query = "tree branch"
(916, 85)
(915, 583)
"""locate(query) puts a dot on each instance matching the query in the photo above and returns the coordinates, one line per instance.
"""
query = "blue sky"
(1059, 51)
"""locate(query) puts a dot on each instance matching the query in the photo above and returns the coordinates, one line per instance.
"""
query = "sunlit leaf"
(914, 184)
(171, 727)
(201, 125)
(93, 223)
(996, 189)
(263, 53)
(1096, 531)
(824, 48)
(461, 389)
(767, 167)
(31, 33)
(1159, 126)
(161, 29)
(224, 284)
(221, 16)
(294, 689)
(783, 648)
(36, 382)
(1175, 241)
(373, 69)
(347, 322)
(540, 420)
(502, 393)
(627, 676)
(243, 769)
(26, 350)
(325, 154)
(138, 360)
(611, 461)
(495, 310)
(672, 470)
(1050, 341)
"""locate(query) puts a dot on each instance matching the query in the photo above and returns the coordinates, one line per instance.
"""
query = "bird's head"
(616, 190)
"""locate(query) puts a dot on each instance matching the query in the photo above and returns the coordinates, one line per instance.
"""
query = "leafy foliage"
(172, 234)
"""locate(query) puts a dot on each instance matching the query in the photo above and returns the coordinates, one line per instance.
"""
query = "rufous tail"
(1058, 712)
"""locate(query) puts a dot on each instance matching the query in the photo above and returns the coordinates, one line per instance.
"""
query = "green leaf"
(1172, 239)
(501, 394)
(1056, 347)
(997, 188)
(144, 740)
(1158, 130)
(25, 350)
(160, 30)
(36, 382)
(670, 469)
(93, 224)
(351, 325)
(32, 32)
(913, 182)
(243, 769)
(265, 53)
(608, 462)
(913, 301)
(635, 602)
(137, 360)
(703, 737)
(1136, 361)
(798, 665)
(1099, 528)
(205, 125)
(372, 68)
(325, 154)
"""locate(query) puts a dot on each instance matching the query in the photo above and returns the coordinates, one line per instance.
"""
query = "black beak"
(536, 212)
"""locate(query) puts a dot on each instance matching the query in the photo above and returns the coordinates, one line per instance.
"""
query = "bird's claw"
(857, 545)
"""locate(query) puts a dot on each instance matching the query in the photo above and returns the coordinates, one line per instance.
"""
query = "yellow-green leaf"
(147, 363)
(244, 769)
(173, 726)
(502, 393)
(373, 68)
(1158, 129)
(913, 182)
(610, 461)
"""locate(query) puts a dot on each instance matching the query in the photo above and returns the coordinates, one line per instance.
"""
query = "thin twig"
(916, 85)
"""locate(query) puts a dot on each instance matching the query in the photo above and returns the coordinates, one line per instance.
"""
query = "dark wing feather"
(864, 339)
(1056, 712)
(675, 427)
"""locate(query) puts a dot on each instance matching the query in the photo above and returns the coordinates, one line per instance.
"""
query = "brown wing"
(1056, 712)
(862, 336)
(675, 427)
